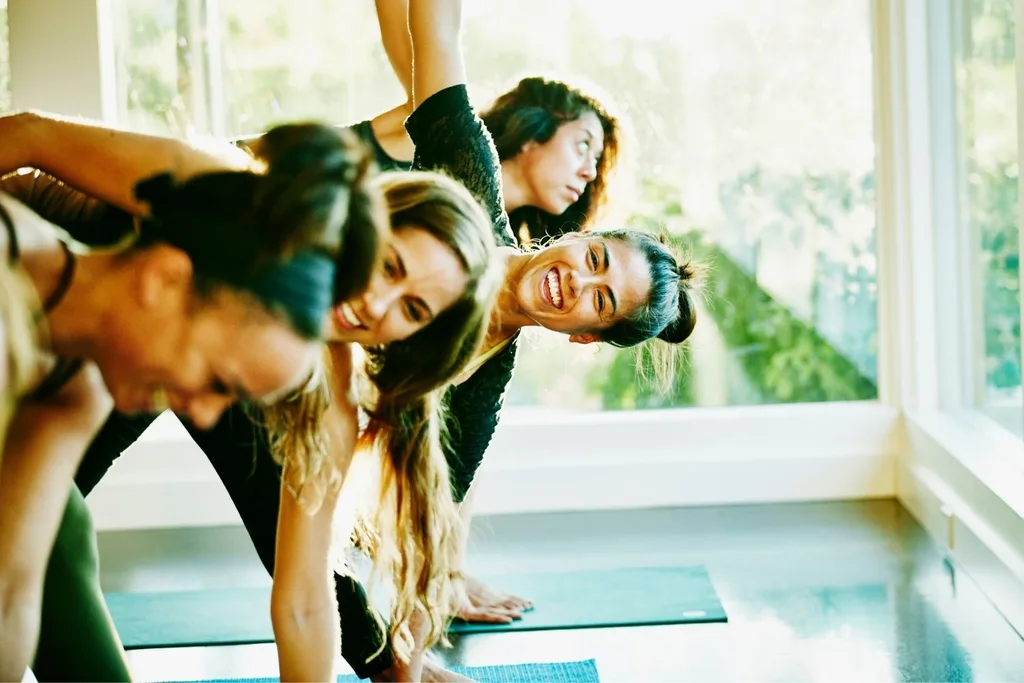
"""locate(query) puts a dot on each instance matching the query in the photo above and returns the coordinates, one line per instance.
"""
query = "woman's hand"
(483, 604)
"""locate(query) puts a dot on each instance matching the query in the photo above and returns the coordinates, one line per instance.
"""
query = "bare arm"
(103, 162)
(466, 515)
(393, 19)
(436, 30)
(44, 446)
(304, 611)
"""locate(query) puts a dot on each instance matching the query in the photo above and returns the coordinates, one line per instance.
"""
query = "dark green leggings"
(240, 456)
(80, 636)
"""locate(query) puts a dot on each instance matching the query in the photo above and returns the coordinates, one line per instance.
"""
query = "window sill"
(586, 461)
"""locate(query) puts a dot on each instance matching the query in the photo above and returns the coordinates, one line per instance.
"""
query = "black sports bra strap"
(61, 374)
(65, 368)
(66, 276)
(13, 253)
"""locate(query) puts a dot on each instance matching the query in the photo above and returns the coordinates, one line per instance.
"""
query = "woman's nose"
(377, 300)
(580, 280)
(589, 170)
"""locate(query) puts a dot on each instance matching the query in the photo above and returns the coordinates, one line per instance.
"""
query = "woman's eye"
(600, 302)
(593, 259)
(413, 313)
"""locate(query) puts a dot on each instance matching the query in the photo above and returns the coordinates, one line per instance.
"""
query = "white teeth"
(350, 316)
(554, 286)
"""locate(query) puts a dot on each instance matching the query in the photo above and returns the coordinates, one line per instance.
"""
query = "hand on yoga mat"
(484, 604)
(435, 673)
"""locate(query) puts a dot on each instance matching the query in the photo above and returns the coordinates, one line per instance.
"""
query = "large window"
(754, 142)
(987, 112)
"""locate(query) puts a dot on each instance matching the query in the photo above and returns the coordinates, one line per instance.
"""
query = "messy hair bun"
(681, 327)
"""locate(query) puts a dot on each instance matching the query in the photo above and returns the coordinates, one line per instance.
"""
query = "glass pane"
(754, 141)
(236, 67)
(987, 94)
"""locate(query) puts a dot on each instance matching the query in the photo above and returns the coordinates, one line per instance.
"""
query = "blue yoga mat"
(557, 672)
(590, 599)
(647, 596)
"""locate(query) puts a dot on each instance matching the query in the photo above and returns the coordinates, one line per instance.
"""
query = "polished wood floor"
(828, 592)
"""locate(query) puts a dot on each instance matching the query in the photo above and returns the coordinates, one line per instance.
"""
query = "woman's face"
(557, 172)
(419, 277)
(583, 285)
(171, 350)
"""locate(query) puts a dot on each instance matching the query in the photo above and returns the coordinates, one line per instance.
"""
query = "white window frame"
(958, 473)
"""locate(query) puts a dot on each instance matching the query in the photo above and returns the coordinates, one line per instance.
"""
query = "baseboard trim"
(201, 502)
(979, 529)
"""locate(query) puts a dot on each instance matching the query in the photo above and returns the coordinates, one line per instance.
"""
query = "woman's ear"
(583, 338)
(164, 275)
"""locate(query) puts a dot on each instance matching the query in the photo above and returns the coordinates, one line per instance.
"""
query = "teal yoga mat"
(587, 599)
(647, 596)
(555, 672)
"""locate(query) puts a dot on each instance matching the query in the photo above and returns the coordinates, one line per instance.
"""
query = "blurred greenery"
(988, 110)
(752, 137)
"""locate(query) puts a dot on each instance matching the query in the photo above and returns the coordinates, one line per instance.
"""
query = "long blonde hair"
(416, 527)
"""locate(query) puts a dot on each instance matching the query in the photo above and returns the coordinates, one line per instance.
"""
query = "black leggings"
(239, 454)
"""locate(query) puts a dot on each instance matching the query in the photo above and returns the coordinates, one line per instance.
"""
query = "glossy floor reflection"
(814, 592)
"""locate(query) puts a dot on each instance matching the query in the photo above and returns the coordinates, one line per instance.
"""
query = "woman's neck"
(513, 186)
(74, 327)
(508, 316)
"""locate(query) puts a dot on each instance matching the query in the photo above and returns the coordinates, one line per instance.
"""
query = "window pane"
(754, 132)
(754, 141)
(236, 67)
(987, 93)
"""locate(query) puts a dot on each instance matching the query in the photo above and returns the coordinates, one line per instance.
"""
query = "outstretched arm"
(104, 162)
(393, 18)
(448, 134)
(304, 611)
(44, 445)
(435, 27)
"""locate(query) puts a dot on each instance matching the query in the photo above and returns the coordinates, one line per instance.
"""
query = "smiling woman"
(582, 286)
(423, 268)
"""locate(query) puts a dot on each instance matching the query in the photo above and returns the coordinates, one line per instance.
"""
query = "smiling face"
(419, 277)
(584, 285)
(557, 172)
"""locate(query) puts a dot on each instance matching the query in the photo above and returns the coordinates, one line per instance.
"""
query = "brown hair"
(533, 111)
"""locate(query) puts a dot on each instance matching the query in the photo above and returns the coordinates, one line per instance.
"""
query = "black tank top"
(64, 368)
